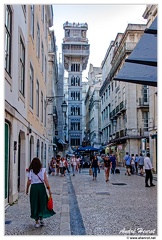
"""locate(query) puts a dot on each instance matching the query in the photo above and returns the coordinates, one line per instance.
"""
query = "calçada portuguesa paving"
(87, 207)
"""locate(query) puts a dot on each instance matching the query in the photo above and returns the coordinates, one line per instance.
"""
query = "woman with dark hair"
(95, 166)
(38, 195)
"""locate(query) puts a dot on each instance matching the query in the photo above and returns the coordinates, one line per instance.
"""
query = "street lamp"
(64, 109)
(64, 106)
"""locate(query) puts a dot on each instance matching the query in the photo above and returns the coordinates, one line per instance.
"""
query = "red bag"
(50, 204)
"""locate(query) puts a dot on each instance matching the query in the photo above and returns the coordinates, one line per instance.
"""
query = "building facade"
(26, 79)
(124, 106)
(93, 107)
(75, 50)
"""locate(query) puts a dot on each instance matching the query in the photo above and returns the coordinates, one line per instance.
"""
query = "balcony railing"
(75, 39)
(143, 101)
(118, 109)
(75, 52)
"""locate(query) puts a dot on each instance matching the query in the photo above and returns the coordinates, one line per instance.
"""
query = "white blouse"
(34, 178)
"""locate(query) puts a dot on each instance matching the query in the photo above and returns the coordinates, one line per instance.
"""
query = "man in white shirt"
(148, 171)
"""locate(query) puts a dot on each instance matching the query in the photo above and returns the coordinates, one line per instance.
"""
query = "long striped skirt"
(38, 202)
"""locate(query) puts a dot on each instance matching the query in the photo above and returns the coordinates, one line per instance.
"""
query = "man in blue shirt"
(113, 161)
(136, 163)
(127, 160)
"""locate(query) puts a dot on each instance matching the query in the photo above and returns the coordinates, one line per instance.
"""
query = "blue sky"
(104, 22)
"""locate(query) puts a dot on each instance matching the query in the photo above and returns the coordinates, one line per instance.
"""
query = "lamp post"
(64, 109)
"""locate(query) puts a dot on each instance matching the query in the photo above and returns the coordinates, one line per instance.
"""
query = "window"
(145, 90)
(124, 94)
(76, 33)
(31, 86)
(112, 87)
(38, 41)
(22, 67)
(41, 107)
(37, 98)
(42, 152)
(32, 20)
(145, 116)
(75, 67)
(75, 141)
(45, 69)
(77, 81)
(109, 89)
(43, 13)
(45, 113)
(42, 57)
(8, 38)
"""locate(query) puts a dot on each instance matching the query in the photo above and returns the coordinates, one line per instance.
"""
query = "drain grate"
(102, 193)
(8, 222)
(120, 184)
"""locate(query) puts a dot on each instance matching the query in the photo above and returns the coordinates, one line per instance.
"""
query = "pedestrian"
(52, 166)
(58, 164)
(95, 167)
(107, 166)
(37, 180)
(73, 164)
(77, 163)
(67, 165)
(127, 160)
(148, 171)
(136, 163)
(113, 163)
(132, 163)
(80, 164)
(141, 163)
(61, 166)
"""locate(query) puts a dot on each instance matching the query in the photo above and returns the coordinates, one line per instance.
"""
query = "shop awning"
(141, 65)
(138, 73)
(61, 141)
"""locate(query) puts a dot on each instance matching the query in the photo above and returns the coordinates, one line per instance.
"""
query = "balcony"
(68, 52)
(75, 39)
(143, 102)
(117, 111)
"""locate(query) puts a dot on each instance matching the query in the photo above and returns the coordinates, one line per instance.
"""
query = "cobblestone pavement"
(17, 216)
(102, 208)
(109, 209)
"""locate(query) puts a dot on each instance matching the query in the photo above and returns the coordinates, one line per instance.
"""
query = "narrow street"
(123, 206)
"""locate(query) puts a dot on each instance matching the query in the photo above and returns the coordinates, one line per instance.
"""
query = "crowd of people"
(60, 165)
(132, 164)
(38, 181)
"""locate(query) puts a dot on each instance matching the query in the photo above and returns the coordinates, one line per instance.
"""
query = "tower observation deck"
(75, 50)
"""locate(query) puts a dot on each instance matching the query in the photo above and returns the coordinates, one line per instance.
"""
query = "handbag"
(90, 171)
(50, 204)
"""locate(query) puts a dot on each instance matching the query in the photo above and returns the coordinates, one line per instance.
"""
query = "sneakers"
(152, 185)
(37, 225)
(41, 222)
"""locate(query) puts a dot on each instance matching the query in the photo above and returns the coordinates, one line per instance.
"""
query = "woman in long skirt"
(37, 178)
